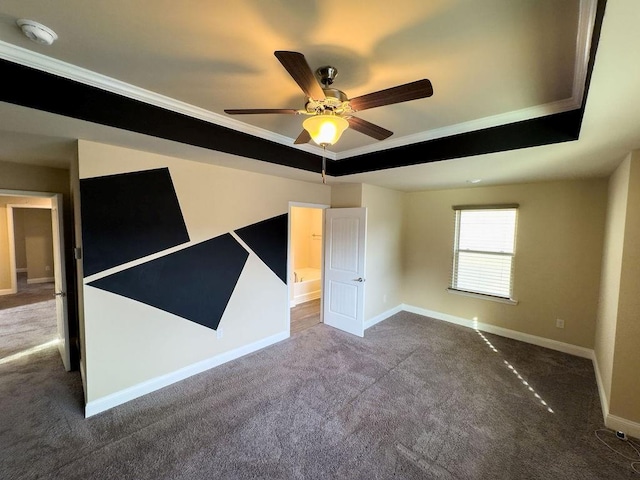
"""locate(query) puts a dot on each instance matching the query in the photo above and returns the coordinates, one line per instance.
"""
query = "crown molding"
(586, 22)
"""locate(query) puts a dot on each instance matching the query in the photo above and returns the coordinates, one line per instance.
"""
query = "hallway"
(27, 318)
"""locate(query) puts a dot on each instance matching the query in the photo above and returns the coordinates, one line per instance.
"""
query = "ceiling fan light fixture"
(325, 129)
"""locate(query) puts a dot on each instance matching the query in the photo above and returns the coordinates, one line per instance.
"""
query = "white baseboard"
(504, 332)
(8, 291)
(383, 316)
(623, 425)
(31, 281)
(118, 398)
(613, 421)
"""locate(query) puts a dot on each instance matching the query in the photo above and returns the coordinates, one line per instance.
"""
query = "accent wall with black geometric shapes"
(195, 283)
(129, 216)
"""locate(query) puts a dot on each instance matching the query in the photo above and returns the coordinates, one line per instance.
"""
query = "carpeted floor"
(27, 294)
(415, 399)
(27, 318)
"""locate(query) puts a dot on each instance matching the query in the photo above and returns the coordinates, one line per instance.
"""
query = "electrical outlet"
(47, 268)
(219, 333)
(559, 323)
(384, 298)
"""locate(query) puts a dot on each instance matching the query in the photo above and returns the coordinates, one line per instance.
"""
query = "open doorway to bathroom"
(305, 256)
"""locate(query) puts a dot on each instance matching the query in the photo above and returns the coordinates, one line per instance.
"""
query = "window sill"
(508, 301)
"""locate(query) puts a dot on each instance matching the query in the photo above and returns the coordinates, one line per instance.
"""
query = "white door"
(344, 260)
(60, 281)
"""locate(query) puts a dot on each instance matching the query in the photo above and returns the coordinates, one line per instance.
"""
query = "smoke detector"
(37, 32)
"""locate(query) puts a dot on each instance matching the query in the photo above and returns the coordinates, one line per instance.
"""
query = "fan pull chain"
(324, 164)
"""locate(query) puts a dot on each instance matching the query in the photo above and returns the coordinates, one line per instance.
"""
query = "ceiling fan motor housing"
(335, 101)
(327, 75)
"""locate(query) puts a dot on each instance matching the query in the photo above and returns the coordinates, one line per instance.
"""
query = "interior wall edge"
(382, 316)
(602, 391)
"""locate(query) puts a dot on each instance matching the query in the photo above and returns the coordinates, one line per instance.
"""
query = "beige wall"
(38, 244)
(610, 279)
(557, 265)
(18, 231)
(625, 388)
(214, 200)
(306, 248)
(618, 329)
(346, 195)
(384, 249)
(5, 258)
(17, 176)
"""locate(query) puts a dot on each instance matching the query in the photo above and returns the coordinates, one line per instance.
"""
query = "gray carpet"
(27, 294)
(415, 399)
(27, 318)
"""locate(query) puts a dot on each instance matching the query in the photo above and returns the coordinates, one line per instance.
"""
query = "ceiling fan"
(330, 111)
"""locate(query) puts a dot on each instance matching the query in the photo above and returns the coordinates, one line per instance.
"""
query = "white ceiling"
(490, 62)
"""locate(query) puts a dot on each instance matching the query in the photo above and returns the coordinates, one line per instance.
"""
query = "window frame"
(456, 251)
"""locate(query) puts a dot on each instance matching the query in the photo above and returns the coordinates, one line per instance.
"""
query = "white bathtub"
(307, 285)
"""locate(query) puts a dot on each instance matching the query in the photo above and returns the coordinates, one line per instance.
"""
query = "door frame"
(63, 278)
(323, 207)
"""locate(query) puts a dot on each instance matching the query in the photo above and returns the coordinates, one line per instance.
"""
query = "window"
(484, 250)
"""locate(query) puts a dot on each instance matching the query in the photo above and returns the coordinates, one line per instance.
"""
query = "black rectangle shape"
(129, 216)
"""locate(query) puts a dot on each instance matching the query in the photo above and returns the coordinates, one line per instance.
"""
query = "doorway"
(33, 310)
(305, 265)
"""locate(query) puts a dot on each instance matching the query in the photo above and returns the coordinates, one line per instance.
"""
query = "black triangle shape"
(268, 240)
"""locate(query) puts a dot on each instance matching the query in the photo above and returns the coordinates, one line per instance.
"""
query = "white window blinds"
(484, 250)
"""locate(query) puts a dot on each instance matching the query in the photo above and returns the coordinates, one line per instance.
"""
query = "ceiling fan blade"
(246, 111)
(304, 137)
(299, 69)
(401, 93)
(369, 128)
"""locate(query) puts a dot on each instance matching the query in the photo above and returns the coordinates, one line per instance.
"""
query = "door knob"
(359, 279)
(60, 294)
